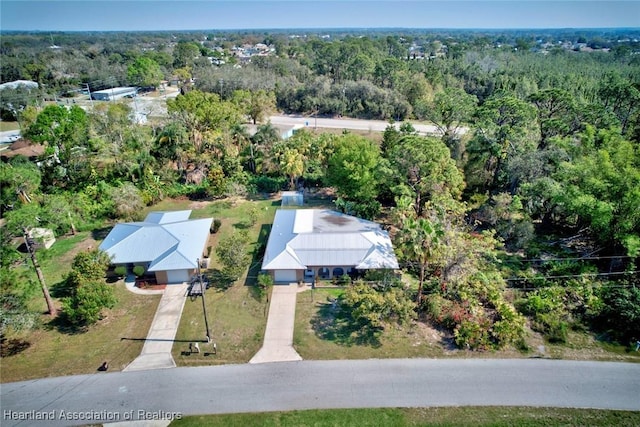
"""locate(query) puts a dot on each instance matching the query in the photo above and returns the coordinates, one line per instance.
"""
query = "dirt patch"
(199, 204)
(425, 333)
(87, 244)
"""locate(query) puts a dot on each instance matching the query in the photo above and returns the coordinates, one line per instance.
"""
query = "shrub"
(236, 189)
(89, 294)
(267, 184)
(253, 216)
(120, 270)
(138, 270)
(343, 280)
(232, 254)
(509, 329)
(621, 310)
(473, 334)
(215, 226)
(265, 281)
(85, 306)
(554, 328)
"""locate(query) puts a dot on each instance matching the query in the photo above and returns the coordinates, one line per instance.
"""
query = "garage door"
(177, 276)
(285, 276)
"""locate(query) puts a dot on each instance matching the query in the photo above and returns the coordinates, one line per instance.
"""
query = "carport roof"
(305, 238)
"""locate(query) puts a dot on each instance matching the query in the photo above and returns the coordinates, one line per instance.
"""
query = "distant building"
(17, 83)
(114, 94)
(23, 147)
(284, 131)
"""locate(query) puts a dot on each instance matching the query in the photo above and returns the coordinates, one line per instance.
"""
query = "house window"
(338, 271)
(324, 273)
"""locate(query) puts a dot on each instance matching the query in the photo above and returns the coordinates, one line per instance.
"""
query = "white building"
(114, 94)
(308, 243)
(165, 243)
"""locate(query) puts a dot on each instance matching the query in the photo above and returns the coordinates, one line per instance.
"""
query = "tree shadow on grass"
(218, 280)
(11, 347)
(332, 323)
(64, 326)
(60, 289)
(256, 263)
(101, 233)
(242, 225)
(218, 206)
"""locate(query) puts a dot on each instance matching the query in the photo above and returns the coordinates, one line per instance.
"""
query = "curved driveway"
(327, 384)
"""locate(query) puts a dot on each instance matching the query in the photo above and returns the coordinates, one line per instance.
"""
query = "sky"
(147, 15)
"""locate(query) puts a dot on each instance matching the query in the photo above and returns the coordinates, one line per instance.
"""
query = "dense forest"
(524, 210)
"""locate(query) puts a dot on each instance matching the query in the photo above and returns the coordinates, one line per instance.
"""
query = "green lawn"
(316, 336)
(399, 417)
(56, 351)
(237, 316)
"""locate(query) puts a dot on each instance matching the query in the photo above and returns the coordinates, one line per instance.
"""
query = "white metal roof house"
(305, 243)
(114, 94)
(165, 243)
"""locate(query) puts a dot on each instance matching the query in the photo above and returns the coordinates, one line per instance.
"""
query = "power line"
(567, 276)
(574, 259)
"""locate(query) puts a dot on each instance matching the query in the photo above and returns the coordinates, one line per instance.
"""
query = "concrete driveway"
(278, 335)
(156, 352)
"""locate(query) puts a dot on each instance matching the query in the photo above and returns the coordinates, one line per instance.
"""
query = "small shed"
(43, 235)
(292, 198)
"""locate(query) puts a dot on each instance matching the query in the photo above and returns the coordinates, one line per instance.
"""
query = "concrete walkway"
(278, 336)
(156, 352)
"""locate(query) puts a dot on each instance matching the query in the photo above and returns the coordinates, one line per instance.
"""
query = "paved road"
(326, 384)
(346, 123)
(9, 136)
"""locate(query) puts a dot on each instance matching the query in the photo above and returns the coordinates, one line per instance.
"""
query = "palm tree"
(418, 241)
(292, 165)
(28, 241)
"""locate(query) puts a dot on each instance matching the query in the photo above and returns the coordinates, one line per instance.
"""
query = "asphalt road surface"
(103, 397)
(346, 123)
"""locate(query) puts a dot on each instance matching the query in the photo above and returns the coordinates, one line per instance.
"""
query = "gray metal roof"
(305, 238)
(166, 240)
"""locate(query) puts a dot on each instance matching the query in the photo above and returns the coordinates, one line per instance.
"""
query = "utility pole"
(89, 91)
(204, 306)
(28, 241)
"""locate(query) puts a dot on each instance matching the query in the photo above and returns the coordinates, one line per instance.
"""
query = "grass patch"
(373, 135)
(399, 417)
(56, 261)
(318, 337)
(6, 126)
(117, 338)
(236, 321)
(321, 334)
(237, 316)
(53, 349)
